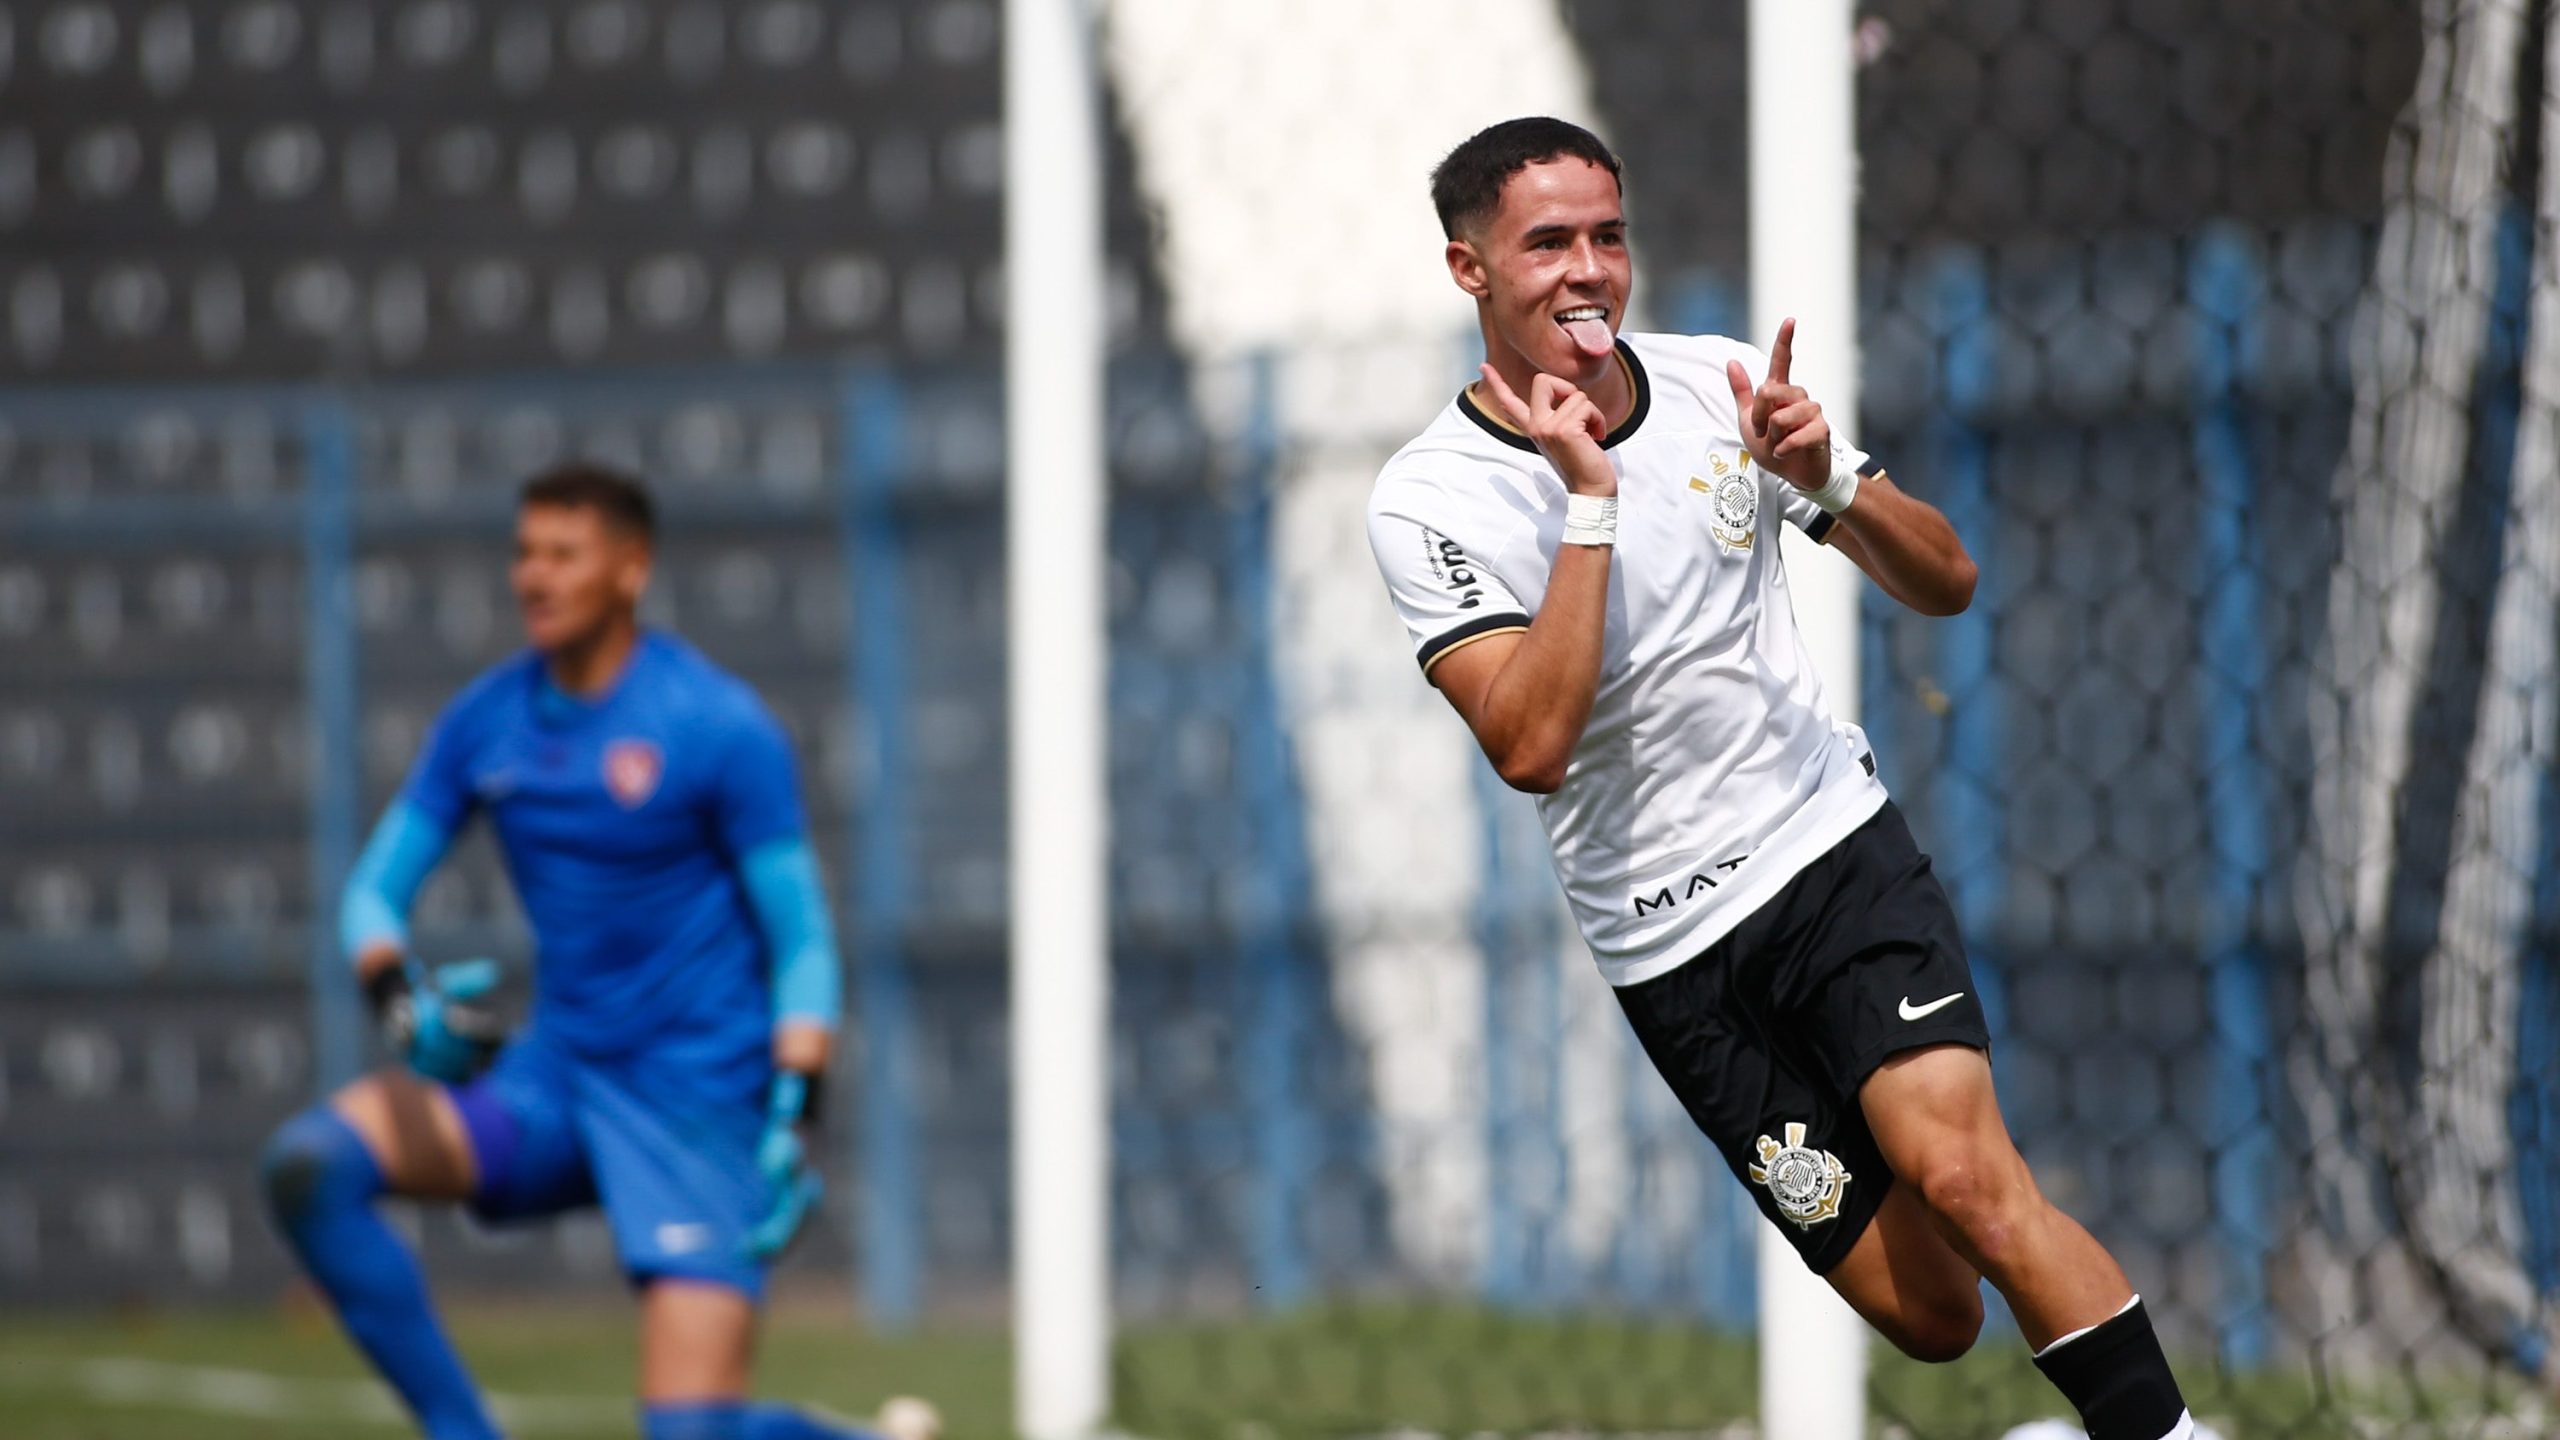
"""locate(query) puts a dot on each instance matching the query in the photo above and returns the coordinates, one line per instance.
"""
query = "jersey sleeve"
(1446, 599)
(791, 908)
(757, 794)
(405, 848)
(439, 783)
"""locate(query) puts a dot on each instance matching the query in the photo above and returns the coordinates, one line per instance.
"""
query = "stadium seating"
(284, 188)
(225, 201)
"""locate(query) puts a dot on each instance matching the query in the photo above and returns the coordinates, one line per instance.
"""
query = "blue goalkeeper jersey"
(623, 820)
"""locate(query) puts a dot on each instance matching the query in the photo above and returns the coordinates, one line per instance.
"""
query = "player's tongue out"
(1589, 327)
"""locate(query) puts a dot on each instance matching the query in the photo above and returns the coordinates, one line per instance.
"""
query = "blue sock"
(737, 1420)
(321, 1182)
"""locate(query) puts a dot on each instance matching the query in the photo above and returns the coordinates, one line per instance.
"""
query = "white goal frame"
(1804, 262)
(1058, 810)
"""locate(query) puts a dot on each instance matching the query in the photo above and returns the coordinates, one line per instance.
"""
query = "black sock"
(2116, 1377)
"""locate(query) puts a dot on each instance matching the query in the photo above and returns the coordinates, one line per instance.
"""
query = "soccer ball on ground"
(2065, 1430)
(904, 1417)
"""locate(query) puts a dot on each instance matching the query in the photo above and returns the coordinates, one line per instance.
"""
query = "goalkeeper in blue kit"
(684, 1002)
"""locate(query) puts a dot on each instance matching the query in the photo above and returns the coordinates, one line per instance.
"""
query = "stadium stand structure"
(293, 189)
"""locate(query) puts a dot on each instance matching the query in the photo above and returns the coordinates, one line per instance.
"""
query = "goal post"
(1058, 822)
(1804, 263)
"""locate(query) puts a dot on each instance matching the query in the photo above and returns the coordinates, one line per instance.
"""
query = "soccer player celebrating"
(1584, 547)
(686, 997)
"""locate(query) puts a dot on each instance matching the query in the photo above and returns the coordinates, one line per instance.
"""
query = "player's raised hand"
(1566, 426)
(443, 1022)
(1782, 426)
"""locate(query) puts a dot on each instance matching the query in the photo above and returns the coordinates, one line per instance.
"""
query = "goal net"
(2223, 336)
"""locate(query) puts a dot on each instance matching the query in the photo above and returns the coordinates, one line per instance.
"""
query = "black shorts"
(1767, 1035)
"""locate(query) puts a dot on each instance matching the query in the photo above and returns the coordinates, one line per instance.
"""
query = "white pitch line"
(255, 1395)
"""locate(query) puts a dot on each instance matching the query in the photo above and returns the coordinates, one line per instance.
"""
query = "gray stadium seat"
(412, 216)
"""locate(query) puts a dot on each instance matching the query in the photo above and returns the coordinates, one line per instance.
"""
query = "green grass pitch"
(563, 1372)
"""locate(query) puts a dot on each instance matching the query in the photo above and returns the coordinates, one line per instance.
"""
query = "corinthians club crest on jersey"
(1735, 493)
(1807, 1183)
(632, 769)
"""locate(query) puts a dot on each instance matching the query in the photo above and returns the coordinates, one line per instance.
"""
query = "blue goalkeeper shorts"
(665, 1142)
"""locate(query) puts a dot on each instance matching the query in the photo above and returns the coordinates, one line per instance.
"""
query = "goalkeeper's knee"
(316, 1161)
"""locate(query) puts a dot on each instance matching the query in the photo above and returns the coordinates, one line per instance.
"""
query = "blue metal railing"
(330, 692)
(2223, 293)
(1280, 988)
(1971, 839)
(872, 452)
(1523, 1028)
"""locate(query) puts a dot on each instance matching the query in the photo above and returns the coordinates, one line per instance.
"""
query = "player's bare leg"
(1936, 1119)
(1903, 1278)
(697, 1349)
(1938, 1123)
(415, 1133)
(697, 1342)
(389, 1133)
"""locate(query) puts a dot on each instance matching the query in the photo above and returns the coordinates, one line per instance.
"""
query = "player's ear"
(1467, 267)
(631, 578)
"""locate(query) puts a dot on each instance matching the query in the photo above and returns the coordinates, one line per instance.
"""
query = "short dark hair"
(1467, 185)
(621, 499)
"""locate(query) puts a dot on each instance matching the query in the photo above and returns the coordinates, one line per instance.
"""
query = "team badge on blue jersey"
(1807, 1183)
(632, 769)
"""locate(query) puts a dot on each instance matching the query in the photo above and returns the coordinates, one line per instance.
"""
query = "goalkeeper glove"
(440, 1024)
(782, 1160)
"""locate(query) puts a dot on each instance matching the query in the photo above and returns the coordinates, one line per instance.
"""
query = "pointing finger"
(1740, 380)
(1783, 354)
(1511, 404)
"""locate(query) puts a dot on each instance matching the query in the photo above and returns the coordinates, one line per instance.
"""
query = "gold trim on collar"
(1492, 410)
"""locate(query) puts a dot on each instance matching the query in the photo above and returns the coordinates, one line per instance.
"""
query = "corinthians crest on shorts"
(1807, 1183)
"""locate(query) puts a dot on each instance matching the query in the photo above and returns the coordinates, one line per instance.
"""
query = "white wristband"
(1591, 520)
(1836, 492)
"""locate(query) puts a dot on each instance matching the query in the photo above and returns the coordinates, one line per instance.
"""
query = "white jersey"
(1712, 770)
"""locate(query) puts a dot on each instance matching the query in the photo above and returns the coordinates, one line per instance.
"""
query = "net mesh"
(2211, 329)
